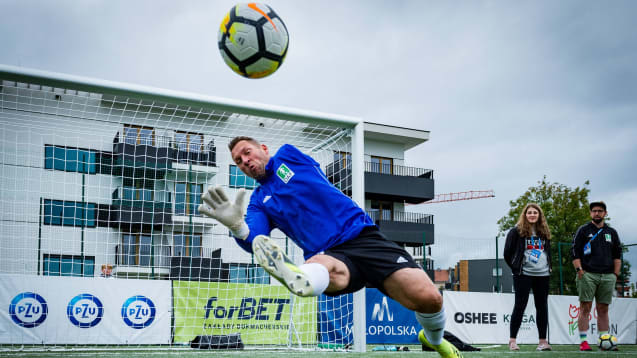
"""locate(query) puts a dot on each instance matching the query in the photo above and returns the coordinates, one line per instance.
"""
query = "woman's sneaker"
(270, 256)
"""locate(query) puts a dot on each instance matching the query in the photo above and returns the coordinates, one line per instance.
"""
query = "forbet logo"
(85, 310)
(28, 309)
(138, 312)
(284, 173)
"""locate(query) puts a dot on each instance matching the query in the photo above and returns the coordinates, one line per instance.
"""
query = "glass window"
(179, 245)
(69, 213)
(139, 135)
(384, 210)
(180, 199)
(70, 159)
(187, 245)
(144, 250)
(136, 249)
(67, 265)
(240, 180)
(382, 165)
(128, 250)
(187, 198)
(189, 142)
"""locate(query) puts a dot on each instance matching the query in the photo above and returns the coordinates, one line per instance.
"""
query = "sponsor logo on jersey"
(284, 173)
(608, 237)
(401, 260)
(267, 197)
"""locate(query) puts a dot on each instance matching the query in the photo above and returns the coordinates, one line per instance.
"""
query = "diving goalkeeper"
(343, 249)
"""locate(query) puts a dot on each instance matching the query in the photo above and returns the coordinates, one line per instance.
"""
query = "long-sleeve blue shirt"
(296, 197)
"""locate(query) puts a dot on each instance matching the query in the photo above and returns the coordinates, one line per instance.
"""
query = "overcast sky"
(510, 90)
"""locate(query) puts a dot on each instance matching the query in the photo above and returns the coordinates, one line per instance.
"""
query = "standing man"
(596, 255)
(343, 249)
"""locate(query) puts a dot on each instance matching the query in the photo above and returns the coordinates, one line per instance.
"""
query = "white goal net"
(101, 242)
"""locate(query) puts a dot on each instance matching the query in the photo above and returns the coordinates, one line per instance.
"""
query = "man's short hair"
(238, 139)
(600, 204)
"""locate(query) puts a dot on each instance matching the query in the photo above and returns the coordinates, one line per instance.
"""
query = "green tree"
(565, 210)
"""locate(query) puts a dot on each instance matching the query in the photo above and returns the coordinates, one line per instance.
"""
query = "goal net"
(101, 241)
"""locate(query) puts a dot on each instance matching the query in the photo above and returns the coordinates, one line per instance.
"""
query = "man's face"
(251, 158)
(598, 214)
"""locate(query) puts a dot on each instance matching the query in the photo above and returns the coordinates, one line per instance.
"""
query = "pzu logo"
(85, 310)
(138, 312)
(28, 309)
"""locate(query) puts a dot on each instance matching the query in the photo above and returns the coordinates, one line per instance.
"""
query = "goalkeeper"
(343, 249)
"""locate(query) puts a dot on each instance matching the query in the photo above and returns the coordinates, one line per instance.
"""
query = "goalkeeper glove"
(229, 214)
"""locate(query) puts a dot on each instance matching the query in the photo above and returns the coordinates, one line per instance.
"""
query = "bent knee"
(427, 301)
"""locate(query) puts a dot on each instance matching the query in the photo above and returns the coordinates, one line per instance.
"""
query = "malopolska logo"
(380, 309)
(28, 309)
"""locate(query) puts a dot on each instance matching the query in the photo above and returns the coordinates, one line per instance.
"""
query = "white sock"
(318, 276)
(433, 325)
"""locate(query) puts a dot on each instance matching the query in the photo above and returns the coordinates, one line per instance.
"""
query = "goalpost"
(101, 241)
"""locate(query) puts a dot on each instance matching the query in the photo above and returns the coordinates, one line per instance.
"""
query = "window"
(69, 159)
(69, 213)
(139, 135)
(67, 265)
(187, 198)
(189, 142)
(245, 273)
(138, 189)
(382, 210)
(499, 272)
(382, 165)
(343, 158)
(240, 180)
(187, 245)
(136, 249)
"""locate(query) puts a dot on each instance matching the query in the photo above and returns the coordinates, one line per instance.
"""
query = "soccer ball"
(608, 342)
(253, 40)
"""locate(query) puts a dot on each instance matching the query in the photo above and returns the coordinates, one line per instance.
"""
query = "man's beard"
(598, 220)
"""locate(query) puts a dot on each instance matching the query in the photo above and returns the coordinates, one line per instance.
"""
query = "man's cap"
(597, 203)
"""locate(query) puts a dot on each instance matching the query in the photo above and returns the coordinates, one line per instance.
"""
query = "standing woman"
(528, 253)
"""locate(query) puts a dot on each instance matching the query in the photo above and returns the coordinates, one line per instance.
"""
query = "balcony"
(136, 207)
(386, 182)
(142, 261)
(150, 157)
(409, 229)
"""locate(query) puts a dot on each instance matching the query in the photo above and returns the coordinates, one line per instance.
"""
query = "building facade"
(96, 183)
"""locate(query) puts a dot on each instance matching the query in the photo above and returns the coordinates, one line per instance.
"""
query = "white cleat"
(270, 256)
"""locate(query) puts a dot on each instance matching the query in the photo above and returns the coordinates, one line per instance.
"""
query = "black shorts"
(370, 258)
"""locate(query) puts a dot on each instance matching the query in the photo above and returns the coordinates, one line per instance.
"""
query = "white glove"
(229, 214)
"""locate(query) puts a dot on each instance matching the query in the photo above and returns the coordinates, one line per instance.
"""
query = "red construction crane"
(464, 195)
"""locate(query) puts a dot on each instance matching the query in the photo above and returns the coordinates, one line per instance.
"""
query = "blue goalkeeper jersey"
(296, 198)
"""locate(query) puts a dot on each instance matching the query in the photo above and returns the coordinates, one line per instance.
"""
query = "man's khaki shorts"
(596, 285)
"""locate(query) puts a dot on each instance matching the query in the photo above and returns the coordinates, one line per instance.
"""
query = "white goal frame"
(356, 132)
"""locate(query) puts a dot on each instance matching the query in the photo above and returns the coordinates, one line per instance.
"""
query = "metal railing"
(400, 170)
(401, 216)
(178, 151)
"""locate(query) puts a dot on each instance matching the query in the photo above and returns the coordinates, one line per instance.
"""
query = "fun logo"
(28, 309)
(284, 173)
(138, 312)
(85, 310)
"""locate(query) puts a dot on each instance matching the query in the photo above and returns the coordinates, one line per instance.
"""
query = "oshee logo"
(138, 312)
(85, 310)
(28, 309)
